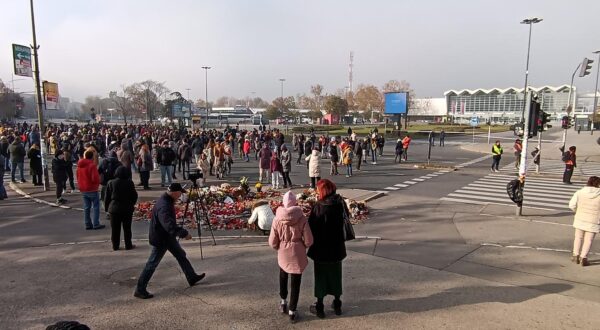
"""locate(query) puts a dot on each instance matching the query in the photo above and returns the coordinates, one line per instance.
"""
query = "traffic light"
(586, 66)
(534, 117)
(543, 121)
(566, 122)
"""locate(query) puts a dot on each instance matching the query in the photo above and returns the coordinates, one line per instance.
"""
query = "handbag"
(348, 229)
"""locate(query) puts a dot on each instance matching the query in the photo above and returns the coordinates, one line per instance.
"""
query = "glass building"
(503, 105)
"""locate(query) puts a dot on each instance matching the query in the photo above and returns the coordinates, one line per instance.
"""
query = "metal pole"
(595, 93)
(526, 74)
(569, 107)
(206, 92)
(539, 145)
(40, 100)
(523, 164)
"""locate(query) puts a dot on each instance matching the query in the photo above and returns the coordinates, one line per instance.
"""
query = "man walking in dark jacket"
(163, 237)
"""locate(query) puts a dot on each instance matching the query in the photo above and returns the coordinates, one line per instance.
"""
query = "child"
(290, 236)
(276, 170)
(204, 166)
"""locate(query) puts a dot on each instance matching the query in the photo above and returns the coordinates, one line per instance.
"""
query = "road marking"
(418, 179)
(392, 188)
(410, 182)
(401, 185)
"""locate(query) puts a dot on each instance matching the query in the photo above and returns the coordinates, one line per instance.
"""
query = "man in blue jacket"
(163, 237)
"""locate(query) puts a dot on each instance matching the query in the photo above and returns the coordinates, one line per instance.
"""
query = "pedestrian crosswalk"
(542, 193)
(557, 167)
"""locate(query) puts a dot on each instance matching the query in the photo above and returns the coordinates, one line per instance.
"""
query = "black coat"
(120, 193)
(327, 225)
(59, 169)
(163, 226)
(35, 160)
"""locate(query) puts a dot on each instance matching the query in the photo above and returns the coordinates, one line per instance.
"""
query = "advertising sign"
(22, 60)
(396, 103)
(182, 110)
(50, 95)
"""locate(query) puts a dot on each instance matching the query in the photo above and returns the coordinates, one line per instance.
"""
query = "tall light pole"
(282, 80)
(206, 68)
(40, 100)
(188, 94)
(530, 22)
(595, 92)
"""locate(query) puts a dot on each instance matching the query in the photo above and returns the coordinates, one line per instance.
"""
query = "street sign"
(474, 121)
(22, 60)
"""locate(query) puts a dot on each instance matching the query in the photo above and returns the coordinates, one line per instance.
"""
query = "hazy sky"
(91, 47)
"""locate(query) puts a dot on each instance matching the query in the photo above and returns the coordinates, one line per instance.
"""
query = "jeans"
(13, 170)
(165, 170)
(295, 287)
(7, 162)
(286, 179)
(91, 200)
(154, 260)
(568, 173)
(116, 221)
(349, 169)
(495, 162)
(374, 156)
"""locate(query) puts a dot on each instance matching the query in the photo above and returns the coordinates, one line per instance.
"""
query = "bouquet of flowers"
(258, 187)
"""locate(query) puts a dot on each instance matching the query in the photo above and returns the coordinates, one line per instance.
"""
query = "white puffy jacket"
(586, 204)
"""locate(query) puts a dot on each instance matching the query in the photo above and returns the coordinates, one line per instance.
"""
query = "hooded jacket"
(263, 215)
(291, 236)
(586, 204)
(327, 225)
(163, 228)
(120, 193)
(17, 151)
(88, 177)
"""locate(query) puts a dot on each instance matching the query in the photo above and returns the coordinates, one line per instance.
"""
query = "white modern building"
(504, 105)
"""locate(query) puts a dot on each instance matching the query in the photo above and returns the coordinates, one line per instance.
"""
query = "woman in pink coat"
(290, 236)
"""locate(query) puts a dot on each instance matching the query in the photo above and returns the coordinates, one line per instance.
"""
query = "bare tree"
(317, 92)
(148, 94)
(123, 103)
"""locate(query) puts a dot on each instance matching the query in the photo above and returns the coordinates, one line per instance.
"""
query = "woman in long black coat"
(329, 249)
(35, 164)
(119, 202)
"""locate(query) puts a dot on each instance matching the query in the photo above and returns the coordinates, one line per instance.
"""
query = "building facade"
(504, 106)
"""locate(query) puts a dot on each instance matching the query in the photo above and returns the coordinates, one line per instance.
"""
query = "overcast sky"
(91, 47)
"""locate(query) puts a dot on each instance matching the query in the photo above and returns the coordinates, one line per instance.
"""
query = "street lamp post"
(188, 93)
(595, 93)
(282, 80)
(530, 22)
(206, 68)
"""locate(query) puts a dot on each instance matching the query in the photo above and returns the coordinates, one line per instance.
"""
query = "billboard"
(50, 95)
(22, 60)
(396, 103)
(182, 110)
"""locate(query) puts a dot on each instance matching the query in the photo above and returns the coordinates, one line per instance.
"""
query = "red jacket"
(87, 175)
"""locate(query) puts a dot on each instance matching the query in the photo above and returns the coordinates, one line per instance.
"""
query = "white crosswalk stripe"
(557, 167)
(542, 193)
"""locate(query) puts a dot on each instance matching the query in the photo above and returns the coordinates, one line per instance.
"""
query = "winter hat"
(289, 199)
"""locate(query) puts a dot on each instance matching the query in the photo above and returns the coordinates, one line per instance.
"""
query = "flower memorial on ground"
(229, 208)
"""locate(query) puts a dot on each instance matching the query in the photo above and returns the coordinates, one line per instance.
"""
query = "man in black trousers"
(163, 237)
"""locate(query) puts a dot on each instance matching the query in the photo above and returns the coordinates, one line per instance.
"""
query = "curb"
(39, 200)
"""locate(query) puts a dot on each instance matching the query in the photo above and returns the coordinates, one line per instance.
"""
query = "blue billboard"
(181, 110)
(396, 103)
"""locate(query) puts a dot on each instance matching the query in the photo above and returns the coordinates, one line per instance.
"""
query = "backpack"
(350, 154)
(565, 156)
(514, 189)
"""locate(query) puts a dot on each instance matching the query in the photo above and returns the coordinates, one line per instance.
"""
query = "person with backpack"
(570, 160)
(107, 170)
(333, 158)
(35, 164)
(347, 157)
(290, 236)
(399, 150)
(17, 158)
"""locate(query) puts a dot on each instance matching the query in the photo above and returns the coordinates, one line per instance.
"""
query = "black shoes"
(100, 227)
(283, 308)
(293, 317)
(584, 262)
(318, 309)
(143, 295)
(337, 306)
(130, 247)
(196, 279)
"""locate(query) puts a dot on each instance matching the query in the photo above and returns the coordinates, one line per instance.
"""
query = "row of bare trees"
(150, 100)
